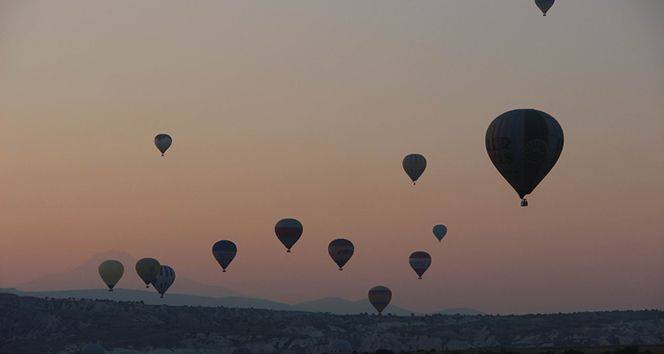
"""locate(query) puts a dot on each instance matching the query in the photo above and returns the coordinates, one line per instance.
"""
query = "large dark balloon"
(439, 231)
(224, 251)
(544, 5)
(340, 250)
(288, 231)
(380, 297)
(524, 145)
(414, 165)
(148, 269)
(164, 280)
(163, 142)
(420, 262)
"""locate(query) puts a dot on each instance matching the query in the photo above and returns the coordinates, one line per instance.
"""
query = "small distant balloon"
(340, 250)
(224, 251)
(524, 145)
(380, 297)
(111, 272)
(148, 269)
(163, 142)
(414, 165)
(164, 279)
(544, 5)
(288, 232)
(420, 262)
(439, 231)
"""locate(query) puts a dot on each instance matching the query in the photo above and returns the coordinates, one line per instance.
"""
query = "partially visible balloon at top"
(544, 5)
(163, 142)
(414, 165)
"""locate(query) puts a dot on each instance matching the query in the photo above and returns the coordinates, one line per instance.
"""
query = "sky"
(305, 109)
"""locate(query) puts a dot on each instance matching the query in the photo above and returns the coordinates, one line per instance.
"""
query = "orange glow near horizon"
(305, 110)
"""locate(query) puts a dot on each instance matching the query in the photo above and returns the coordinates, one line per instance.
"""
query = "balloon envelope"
(288, 231)
(163, 142)
(164, 279)
(524, 145)
(224, 251)
(420, 262)
(111, 271)
(439, 231)
(340, 250)
(544, 5)
(147, 269)
(414, 165)
(380, 297)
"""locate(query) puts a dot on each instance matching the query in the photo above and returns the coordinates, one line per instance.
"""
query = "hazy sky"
(305, 109)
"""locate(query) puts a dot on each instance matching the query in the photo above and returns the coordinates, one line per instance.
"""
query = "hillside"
(33, 325)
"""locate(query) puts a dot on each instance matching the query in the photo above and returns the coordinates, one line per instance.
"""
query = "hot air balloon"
(420, 262)
(148, 269)
(164, 279)
(340, 250)
(163, 142)
(379, 297)
(544, 5)
(288, 231)
(524, 145)
(224, 251)
(439, 231)
(111, 271)
(414, 165)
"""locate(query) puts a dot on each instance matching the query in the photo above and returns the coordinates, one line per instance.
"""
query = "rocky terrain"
(34, 325)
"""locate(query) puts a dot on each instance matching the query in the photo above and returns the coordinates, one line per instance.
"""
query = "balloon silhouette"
(414, 165)
(420, 262)
(163, 142)
(340, 250)
(288, 232)
(111, 272)
(524, 145)
(224, 251)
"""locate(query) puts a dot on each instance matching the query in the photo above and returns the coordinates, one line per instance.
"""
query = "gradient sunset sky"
(305, 108)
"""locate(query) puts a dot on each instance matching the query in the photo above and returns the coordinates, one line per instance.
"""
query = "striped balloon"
(420, 262)
(380, 297)
(164, 280)
(288, 232)
(341, 250)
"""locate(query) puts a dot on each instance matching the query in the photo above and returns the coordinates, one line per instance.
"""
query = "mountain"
(332, 305)
(152, 298)
(86, 276)
(461, 311)
(339, 306)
